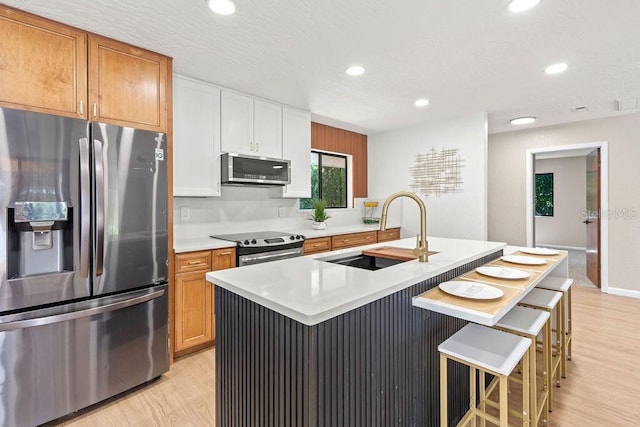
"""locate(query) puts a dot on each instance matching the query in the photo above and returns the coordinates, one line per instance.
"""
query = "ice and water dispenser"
(40, 238)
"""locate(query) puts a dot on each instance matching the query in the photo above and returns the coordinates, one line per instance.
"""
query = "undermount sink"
(360, 260)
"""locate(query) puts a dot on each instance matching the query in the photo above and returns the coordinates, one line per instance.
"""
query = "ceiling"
(465, 56)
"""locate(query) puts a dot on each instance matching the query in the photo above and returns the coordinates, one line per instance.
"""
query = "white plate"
(503, 272)
(539, 251)
(526, 260)
(470, 290)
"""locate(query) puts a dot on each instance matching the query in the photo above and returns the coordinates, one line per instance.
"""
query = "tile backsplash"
(242, 209)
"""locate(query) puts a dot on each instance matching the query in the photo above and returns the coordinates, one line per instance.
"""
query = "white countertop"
(311, 291)
(205, 243)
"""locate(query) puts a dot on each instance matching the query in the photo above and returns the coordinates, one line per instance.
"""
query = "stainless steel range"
(264, 246)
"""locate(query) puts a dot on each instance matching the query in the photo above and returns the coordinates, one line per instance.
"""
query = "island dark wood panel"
(376, 365)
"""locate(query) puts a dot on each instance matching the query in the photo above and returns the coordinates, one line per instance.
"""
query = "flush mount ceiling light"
(522, 5)
(560, 67)
(523, 120)
(422, 102)
(222, 7)
(355, 70)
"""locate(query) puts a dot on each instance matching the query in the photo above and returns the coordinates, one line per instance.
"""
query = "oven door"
(269, 256)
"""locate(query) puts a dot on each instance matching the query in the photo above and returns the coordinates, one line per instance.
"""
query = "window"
(328, 180)
(544, 194)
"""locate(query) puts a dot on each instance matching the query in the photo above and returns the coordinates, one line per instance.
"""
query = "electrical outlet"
(185, 213)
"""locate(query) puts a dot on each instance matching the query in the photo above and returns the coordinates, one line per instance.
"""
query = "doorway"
(596, 248)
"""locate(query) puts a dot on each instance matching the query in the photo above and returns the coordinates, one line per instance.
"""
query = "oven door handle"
(267, 256)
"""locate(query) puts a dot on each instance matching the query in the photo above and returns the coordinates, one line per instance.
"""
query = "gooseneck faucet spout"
(421, 250)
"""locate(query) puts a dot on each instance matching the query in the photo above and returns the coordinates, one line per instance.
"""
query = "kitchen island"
(307, 342)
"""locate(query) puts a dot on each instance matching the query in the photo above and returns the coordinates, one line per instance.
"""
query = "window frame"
(347, 185)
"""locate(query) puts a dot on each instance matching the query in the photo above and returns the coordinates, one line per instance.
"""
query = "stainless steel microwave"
(241, 169)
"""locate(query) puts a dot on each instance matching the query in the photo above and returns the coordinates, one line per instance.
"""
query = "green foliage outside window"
(328, 180)
(544, 194)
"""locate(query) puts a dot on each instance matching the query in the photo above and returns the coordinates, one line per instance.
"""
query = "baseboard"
(623, 292)
(566, 248)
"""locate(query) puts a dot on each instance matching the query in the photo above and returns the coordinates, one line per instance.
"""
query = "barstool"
(562, 284)
(529, 323)
(485, 350)
(548, 301)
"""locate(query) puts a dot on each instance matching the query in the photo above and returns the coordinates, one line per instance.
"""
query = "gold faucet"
(421, 250)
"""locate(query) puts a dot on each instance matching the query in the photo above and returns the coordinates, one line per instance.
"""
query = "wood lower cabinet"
(194, 323)
(319, 244)
(343, 241)
(127, 85)
(43, 65)
(388, 234)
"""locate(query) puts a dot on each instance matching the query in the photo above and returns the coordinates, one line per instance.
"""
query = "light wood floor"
(602, 388)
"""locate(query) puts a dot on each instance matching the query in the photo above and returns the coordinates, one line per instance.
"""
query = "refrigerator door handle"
(85, 207)
(63, 317)
(98, 158)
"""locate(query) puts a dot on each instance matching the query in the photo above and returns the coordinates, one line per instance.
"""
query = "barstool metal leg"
(569, 333)
(443, 391)
(472, 393)
(504, 403)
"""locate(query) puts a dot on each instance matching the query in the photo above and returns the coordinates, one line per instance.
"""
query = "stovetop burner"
(262, 238)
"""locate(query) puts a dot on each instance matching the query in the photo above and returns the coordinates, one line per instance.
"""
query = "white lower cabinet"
(296, 147)
(196, 138)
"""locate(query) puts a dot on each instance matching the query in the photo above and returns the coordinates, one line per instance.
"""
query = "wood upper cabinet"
(43, 65)
(127, 85)
(52, 68)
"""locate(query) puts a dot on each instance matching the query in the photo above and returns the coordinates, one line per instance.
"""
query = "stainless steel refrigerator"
(83, 263)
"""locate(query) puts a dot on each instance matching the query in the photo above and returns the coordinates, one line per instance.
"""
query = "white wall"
(565, 227)
(507, 192)
(459, 215)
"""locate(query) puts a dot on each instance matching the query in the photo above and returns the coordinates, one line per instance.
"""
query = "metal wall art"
(437, 172)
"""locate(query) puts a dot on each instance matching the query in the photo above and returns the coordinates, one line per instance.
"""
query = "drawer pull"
(224, 253)
(193, 262)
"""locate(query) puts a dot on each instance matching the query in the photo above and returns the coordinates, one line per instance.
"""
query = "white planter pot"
(318, 225)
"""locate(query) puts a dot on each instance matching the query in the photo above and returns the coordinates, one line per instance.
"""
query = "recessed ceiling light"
(422, 102)
(355, 70)
(523, 120)
(522, 5)
(560, 67)
(222, 7)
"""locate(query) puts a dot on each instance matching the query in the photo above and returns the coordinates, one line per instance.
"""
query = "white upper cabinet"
(196, 138)
(237, 123)
(267, 129)
(296, 146)
(249, 126)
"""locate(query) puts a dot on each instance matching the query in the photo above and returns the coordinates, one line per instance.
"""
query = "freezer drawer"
(56, 361)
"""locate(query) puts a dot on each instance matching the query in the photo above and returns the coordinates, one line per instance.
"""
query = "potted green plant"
(319, 214)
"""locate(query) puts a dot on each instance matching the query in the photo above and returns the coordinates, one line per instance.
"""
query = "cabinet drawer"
(193, 261)
(355, 239)
(319, 244)
(390, 234)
